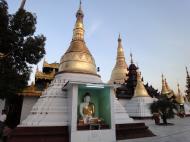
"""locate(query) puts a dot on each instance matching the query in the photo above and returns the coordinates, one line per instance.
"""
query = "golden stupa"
(78, 58)
(119, 73)
(140, 90)
(179, 98)
(164, 87)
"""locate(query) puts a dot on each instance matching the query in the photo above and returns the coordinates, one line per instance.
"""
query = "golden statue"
(87, 110)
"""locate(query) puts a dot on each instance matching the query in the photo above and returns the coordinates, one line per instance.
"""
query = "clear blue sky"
(156, 31)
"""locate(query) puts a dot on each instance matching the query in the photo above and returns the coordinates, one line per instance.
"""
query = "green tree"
(165, 107)
(19, 49)
(187, 91)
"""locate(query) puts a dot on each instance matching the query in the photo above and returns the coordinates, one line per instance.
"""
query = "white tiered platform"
(138, 106)
(121, 115)
(51, 107)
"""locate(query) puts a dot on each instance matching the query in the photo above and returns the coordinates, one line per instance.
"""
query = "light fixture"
(95, 85)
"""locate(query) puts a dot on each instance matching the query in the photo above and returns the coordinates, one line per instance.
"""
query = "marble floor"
(176, 133)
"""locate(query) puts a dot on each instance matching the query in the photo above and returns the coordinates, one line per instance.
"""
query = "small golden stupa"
(179, 98)
(164, 87)
(140, 90)
(77, 58)
(119, 72)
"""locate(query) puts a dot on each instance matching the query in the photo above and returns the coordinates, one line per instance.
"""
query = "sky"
(155, 31)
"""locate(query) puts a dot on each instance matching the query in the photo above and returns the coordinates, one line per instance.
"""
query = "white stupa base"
(87, 78)
(51, 109)
(121, 115)
(187, 108)
(138, 106)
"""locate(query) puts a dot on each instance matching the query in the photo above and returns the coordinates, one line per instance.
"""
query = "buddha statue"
(87, 110)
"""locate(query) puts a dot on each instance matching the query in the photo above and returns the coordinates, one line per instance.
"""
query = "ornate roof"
(30, 91)
(52, 65)
(48, 76)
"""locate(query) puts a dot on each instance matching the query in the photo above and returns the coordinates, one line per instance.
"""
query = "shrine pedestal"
(40, 134)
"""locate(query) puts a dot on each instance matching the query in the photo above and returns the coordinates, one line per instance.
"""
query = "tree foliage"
(165, 107)
(20, 47)
(187, 91)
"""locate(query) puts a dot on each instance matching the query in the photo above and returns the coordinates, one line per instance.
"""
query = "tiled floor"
(180, 131)
(176, 133)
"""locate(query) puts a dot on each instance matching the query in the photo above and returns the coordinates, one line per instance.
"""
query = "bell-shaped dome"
(140, 90)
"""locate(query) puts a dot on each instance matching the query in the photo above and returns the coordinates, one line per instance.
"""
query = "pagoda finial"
(178, 89)
(187, 72)
(80, 5)
(22, 4)
(162, 77)
(80, 12)
(119, 38)
(131, 55)
(78, 32)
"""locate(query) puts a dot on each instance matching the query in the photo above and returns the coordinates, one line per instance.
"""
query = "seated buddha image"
(87, 110)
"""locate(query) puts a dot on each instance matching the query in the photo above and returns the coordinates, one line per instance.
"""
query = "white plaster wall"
(28, 103)
(137, 106)
(187, 108)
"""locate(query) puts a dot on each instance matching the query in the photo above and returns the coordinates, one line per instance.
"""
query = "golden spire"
(77, 58)
(178, 89)
(179, 98)
(22, 4)
(164, 88)
(120, 70)
(140, 90)
(78, 32)
(167, 86)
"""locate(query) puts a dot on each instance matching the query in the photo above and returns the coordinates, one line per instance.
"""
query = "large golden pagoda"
(140, 90)
(78, 58)
(119, 72)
